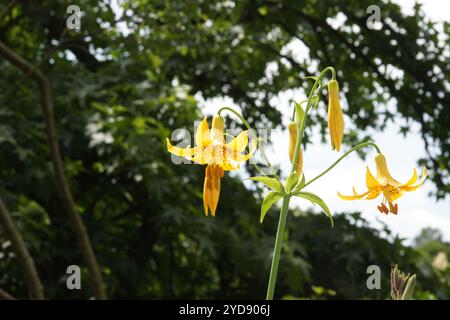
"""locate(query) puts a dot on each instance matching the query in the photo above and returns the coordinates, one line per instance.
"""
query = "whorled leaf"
(291, 182)
(271, 198)
(317, 200)
(272, 183)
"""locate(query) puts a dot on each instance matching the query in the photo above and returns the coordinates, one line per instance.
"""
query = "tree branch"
(5, 295)
(35, 289)
(61, 180)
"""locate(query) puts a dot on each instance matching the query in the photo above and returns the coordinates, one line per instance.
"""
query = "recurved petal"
(421, 181)
(182, 152)
(413, 179)
(244, 157)
(355, 195)
(371, 182)
(239, 143)
(203, 135)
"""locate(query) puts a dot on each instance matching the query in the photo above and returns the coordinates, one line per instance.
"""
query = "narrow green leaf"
(291, 182)
(316, 199)
(409, 288)
(268, 202)
(300, 184)
(300, 112)
(272, 183)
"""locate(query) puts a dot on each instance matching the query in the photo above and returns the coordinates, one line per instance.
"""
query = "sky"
(417, 209)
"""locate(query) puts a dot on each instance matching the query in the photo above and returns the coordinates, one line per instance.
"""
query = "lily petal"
(413, 178)
(355, 196)
(202, 135)
(206, 194)
(374, 193)
(239, 143)
(244, 157)
(371, 182)
(203, 155)
(229, 166)
(217, 173)
(187, 153)
(422, 180)
(393, 195)
(217, 136)
(383, 175)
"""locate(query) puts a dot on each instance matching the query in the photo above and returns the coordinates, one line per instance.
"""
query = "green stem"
(246, 124)
(359, 146)
(285, 207)
(308, 107)
(237, 114)
(277, 248)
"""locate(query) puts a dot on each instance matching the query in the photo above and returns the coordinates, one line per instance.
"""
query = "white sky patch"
(435, 9)
(211, 106)
(118, 12)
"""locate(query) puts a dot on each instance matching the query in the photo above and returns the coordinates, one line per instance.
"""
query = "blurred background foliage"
(124, 82)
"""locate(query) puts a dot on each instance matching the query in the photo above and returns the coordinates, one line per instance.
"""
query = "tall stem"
(277, 248)
(285, 207)
(237, 114)
(308, 107)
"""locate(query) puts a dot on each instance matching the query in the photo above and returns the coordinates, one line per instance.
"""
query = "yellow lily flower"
(292, 128)
(391, 188)
(219, 156)
(335, 115)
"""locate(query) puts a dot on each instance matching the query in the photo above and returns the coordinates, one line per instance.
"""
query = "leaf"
(271, 198)
(291, 182)
(272, 183)
(316, 199)
(300, 184)
(300, 112)
(409, 288)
